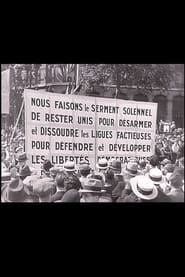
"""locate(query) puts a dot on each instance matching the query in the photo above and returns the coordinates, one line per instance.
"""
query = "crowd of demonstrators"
(157, 179)
(166, 127)
(11, 146)
(144, 181)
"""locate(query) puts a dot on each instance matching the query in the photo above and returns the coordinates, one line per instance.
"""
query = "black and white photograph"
(78, 133)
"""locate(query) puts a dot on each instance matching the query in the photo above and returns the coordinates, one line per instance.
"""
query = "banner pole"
(17, 121)
(77, 75)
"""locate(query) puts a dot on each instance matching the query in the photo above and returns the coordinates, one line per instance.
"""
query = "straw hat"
(102, 164)
(69, 166)
(131, 169)
(133, 160)
(144, 188)
(156, 175)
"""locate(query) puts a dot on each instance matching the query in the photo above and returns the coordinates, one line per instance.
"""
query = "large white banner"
(72, 127)
(5, 91)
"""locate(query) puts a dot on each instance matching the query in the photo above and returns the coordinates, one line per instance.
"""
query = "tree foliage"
(144, 76)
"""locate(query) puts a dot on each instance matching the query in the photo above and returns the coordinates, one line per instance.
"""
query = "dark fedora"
(22, 157)
(25, 171)
(47, 165)
(115, 165)
(14, 192)
(93, 186)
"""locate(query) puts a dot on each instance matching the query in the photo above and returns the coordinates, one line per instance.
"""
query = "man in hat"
(14, 192)
(60, 189)
(156, 176)
(84, 171)
(117, 181)
(43, 188)
(130, 171)
(28, 182)
(92, 191)
(143, 190)
(54, 171)
(22, 162)
(102, 165)
(176, 193)
(46, 166)
(108, 186)
(142, 167)
(167, 172)
(71, 186)
(153, 162)
(70, 168)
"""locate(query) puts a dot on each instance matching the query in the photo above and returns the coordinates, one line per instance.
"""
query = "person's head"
(176, 181)
(144, 188)
(168, 168)
(69, 168)
(154, 161)
(142, 164)
(84, 170)
(102, 165)
(163, 163)
(14, 192)
(115, 166)
(72, 182)
(54, 171)
(156, 176)
(60, 178)
(22, 159)
(43, 188)
(131, 170)
(92, 190)
(97, 176)
(46, 166)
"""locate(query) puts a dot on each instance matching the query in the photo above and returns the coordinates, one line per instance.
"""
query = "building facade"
(170, 102)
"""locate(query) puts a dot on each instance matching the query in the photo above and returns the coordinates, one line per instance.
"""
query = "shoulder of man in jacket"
(57, 196)
(71, 195)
